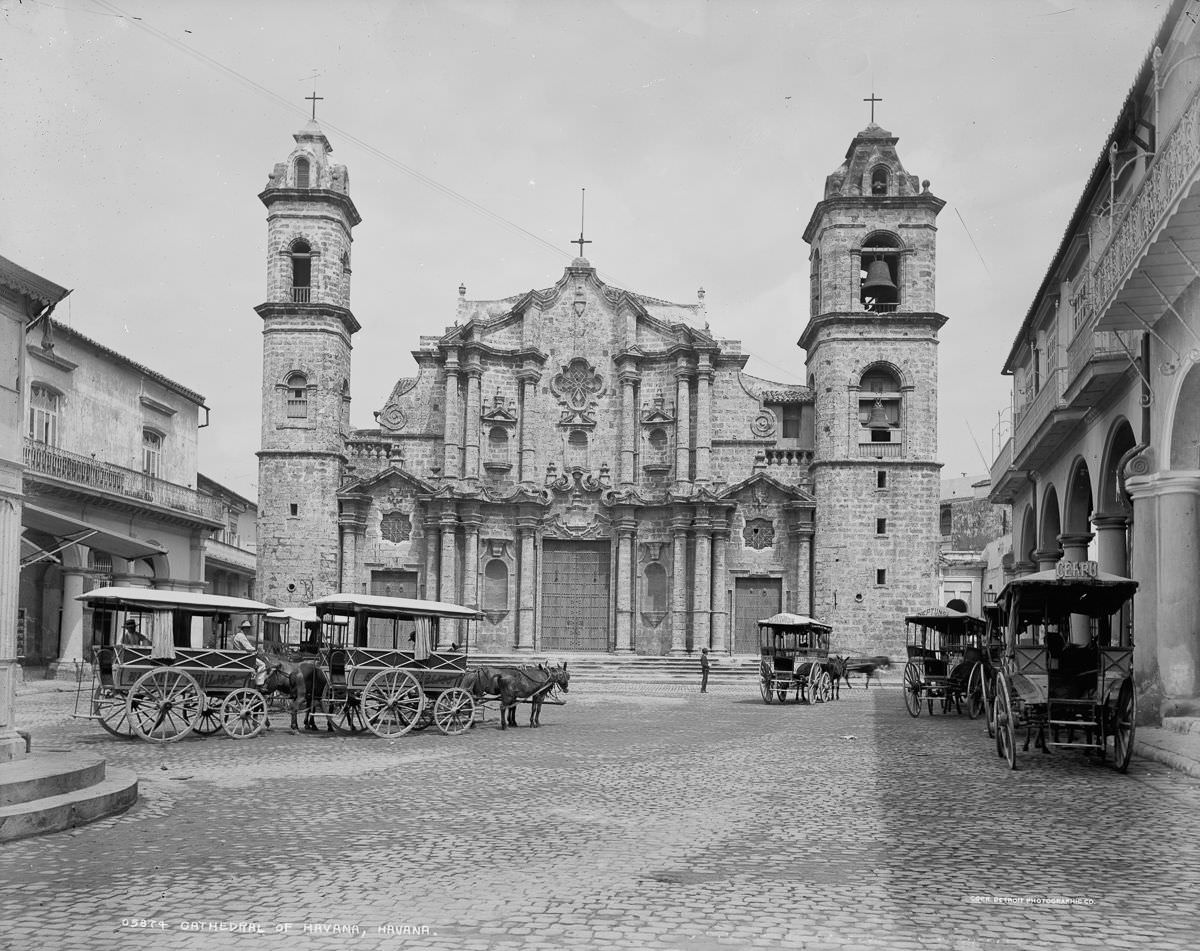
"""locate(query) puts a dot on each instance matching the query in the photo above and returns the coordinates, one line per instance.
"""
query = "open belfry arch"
(589, 466)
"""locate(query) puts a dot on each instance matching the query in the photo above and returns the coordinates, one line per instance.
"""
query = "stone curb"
(1179, 751)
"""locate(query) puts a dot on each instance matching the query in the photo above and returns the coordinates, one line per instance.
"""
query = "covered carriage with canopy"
(945, 661)
(794, 651)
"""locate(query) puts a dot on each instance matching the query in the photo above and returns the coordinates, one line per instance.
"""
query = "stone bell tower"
(307, 327)
(871, 343)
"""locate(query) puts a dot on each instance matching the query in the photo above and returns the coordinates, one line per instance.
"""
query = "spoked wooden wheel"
(1123, 725)
(208, 720)
(244, 713)
(912, 690)
(822, 688)
(1006, 736)
(111, 709)
(392, 703)
(989, 703)
(454, 711)
(164, 704)
(975, 701)
(343, 709)
(764, 683)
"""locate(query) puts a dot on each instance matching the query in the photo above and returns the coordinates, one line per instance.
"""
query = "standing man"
(704, 670)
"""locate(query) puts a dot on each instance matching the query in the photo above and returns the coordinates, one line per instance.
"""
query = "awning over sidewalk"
(68, 529)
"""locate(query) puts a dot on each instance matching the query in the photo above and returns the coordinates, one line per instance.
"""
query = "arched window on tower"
(302, 173)
(301, 255)
(879, 180)
(297, 396)
(880, 273)
(879, 415)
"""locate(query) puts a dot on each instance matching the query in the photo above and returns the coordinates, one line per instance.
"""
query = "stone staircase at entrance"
(49, 792)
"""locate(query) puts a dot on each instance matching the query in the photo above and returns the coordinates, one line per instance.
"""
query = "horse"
(864, 665)
(511, 684)
(299, 681)
(836, 666)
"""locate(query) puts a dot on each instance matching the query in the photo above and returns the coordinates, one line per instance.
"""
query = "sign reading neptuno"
(1077, 569)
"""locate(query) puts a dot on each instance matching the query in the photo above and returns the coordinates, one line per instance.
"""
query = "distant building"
(593, 467)
(1104, 460)
(976, 543)
(229, 553)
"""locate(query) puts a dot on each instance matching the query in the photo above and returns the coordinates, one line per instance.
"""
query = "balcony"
(800, 458)
(1096, 359)
(1042, 424)
(1007, 481)
(230, 556)
(301, 295)
(880, 450)
(1154, 247)
(86, 472)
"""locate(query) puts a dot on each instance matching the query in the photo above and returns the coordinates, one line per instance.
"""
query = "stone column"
(629, 425)
(12, 746)
(1075, 548)
(1047, 558)
(683, 422)
(720, 611)
(800, 535)
(471, 521)
(1113, 555)
(1145, 558)
(704, 377)
(679, 576)
(70, 650)
(452, 461)
(433, 545)
(1022, 568)
(526, 529)
(471, 424)
(702, 582)
(626, 528)
(526, 461)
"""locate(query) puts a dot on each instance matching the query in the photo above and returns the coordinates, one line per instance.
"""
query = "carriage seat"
(934, 665)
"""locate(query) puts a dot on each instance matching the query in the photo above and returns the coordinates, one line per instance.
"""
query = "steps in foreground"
(49, 792)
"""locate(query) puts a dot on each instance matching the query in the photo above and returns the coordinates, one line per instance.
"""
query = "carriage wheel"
(1123, 725)
(244, 713)
(1006, 738)
(975, 701)
(208, 721)
(111, 710)
(342, 710)
(989, 703)
(764, 682)
(164, 704)
(392, 703)
(822, 688)
(454, 711)
(912, 690)
(782, 694)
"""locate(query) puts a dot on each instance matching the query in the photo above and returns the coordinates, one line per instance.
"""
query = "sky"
(138, 134)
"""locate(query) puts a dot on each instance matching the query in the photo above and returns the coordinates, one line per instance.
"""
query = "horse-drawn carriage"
(794, 652)
(945, 661)
(165, 666)
(384, 670)
(1062, 674)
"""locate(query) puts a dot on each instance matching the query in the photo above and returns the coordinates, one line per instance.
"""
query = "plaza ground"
(652, 817)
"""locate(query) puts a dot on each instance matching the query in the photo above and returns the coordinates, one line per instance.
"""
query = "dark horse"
(838, 669)
(511, 684)
(303, 683)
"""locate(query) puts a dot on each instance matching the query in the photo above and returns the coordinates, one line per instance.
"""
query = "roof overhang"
(67, 528)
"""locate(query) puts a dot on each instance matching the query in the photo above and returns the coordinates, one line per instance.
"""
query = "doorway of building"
(575, 596)
(753, 600)
(394, 584)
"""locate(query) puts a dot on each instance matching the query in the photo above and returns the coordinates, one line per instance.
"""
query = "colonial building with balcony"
(1104, 459)
(110, 486)
(593, 467)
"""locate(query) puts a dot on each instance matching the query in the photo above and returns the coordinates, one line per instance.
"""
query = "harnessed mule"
(300, 682)
(511, 684)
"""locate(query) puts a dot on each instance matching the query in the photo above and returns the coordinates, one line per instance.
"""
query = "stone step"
(50, 792)
(1181, 724)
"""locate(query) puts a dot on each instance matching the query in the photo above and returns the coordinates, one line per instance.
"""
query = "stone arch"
(879, 180)
(1050, 522)
(882, 239)
(1077, 511)
(1027, 537)
(899, 372)
(1184, 427)
(316, 174)
(1111, 499)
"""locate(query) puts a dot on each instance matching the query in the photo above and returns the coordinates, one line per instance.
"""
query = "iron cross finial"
(581, 240)
(872, 101)
(314, 98)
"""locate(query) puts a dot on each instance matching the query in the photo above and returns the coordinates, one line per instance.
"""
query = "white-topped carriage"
(945, 661)
(794, 650)
(165, 664)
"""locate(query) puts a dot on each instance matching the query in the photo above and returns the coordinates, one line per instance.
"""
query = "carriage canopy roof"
(793, 620)
(157, 599)
(1046, 593)
(943, 618)
(378, 604)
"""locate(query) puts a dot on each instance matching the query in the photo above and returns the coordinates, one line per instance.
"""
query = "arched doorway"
(1048, 551)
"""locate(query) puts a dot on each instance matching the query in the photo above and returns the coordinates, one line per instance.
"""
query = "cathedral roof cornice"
(269, 196)
(874, 202)
(880, 320)
(275, 309)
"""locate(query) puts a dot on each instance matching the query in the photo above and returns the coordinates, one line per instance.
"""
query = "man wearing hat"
(130, 634)
(241, 640)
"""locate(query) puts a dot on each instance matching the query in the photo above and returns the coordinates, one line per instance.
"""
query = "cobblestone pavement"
(643, 818)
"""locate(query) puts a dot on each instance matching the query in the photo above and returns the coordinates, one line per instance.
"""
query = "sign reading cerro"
(1074, 570)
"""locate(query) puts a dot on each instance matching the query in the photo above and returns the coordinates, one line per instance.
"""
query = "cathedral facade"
(592, 467)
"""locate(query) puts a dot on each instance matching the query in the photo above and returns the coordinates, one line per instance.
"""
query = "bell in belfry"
(878, 283)
(878, 418)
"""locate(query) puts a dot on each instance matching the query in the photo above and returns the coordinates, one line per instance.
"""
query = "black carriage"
(794, 651)
(394, 664)
(1067, 675)
(178, 671)
(945, 662)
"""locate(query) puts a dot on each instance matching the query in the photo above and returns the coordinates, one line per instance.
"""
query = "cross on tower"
(314, 98)
(581, 240)
(872, 101)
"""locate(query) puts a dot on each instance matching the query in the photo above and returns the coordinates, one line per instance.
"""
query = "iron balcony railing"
(1028, 418)
(88, 472)
(1002, 463)
(301, 295)
(1099, 345)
